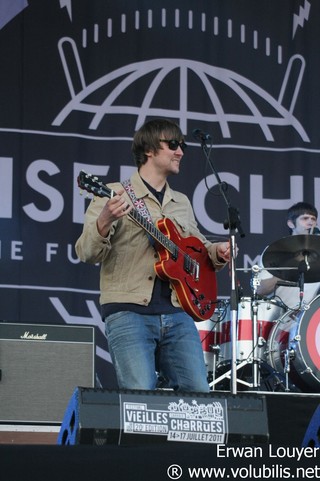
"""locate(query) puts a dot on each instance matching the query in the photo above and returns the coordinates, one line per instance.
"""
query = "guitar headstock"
(92, 184)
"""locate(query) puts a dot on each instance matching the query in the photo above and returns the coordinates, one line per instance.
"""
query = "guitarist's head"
(149, 137)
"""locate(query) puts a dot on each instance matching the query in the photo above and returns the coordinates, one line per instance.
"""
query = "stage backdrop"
(78, 78)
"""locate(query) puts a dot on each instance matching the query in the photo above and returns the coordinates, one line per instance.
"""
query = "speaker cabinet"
(99, 417)
(312, 436)
(40, 366)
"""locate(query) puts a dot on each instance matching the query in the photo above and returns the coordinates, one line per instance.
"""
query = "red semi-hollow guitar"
(183, 261)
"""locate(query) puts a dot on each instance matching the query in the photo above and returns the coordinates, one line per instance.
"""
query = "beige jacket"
(126, 256)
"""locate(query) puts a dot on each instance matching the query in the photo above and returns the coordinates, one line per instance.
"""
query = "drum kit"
(277, 348)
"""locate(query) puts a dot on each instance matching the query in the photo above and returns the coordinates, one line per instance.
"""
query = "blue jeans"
(146, 348)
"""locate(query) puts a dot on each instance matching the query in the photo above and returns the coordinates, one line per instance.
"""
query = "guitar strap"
(139, 204)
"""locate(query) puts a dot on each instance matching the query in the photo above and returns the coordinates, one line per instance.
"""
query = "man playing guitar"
(157, 271)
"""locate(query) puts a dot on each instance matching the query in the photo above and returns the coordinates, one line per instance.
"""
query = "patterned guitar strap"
(139, 205)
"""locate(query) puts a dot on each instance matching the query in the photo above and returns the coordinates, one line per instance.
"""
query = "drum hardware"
(227, 375)
(257, 340)
(279, 378)
(215, 349)
(308, 370)
(252, 359)
(272, 380)
(288, 356)
(255, 279)
(255, 361)
(249, 361)
(275, 380)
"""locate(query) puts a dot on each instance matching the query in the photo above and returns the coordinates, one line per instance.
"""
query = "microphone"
(201, 135)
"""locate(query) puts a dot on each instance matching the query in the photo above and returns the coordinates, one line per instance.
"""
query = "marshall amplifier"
(99, 417)
(40, 366)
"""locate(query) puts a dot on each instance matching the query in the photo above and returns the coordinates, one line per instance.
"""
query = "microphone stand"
(233, 224)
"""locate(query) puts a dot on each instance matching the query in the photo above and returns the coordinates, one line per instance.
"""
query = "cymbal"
(294, 254)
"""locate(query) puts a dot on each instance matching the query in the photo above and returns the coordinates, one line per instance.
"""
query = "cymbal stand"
(255, 282)
(287, 360)
(216, 352)
(229, 374)
(254, 358)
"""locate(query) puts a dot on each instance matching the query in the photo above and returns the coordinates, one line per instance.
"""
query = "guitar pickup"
(196, 273)
(192, 267)
(174, 252)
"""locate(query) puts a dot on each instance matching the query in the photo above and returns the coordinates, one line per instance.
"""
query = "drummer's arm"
(267, 286)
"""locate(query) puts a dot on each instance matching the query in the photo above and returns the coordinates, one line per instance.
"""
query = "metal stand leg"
(255, 282)
(255, 360)
(286, 369)
(228, 375)
(216, 352)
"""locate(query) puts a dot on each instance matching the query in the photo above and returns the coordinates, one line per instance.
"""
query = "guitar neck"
(155, 233)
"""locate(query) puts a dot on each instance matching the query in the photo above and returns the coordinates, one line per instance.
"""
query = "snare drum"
(297, 333)
(267, 312)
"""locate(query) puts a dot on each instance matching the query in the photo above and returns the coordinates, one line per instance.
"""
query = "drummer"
(301, 219)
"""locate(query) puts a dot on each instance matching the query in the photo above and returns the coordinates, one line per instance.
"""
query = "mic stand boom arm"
(233, 224)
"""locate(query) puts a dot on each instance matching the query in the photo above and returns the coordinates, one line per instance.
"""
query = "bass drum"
(296, 336)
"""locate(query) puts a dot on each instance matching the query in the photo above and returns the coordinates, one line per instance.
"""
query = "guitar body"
(196, 290)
